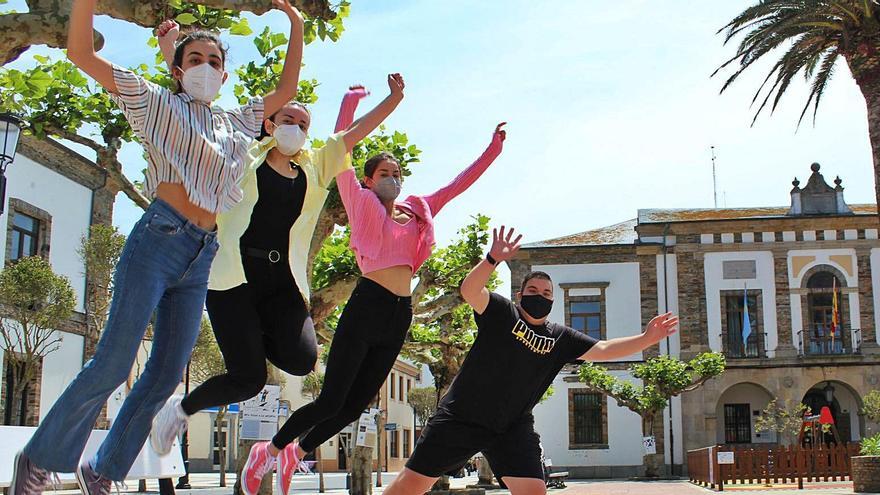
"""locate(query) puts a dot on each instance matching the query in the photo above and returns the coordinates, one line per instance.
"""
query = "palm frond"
(820, 83)
(809, 34)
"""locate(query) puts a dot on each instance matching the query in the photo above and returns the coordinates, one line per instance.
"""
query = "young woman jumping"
(390, 240)
(258, 295)
(196, 154)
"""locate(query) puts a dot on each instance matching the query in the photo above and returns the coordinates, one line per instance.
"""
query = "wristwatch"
(492, 260)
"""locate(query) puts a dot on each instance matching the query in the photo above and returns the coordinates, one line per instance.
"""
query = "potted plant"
(866, 467)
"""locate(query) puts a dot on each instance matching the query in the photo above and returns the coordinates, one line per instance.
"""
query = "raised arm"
(81, 46)
(473, 288)
(363, 126)
(438, 199)
(288, 82)
(349, 105)
(660, 327)
(167, 33)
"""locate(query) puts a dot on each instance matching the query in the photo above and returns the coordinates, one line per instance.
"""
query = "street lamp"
(10, 131)
(829, 392)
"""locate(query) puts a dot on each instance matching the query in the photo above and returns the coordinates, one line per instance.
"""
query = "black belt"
(273, 255)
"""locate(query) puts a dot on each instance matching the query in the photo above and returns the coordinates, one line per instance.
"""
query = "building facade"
(786, 266)
(53, 195)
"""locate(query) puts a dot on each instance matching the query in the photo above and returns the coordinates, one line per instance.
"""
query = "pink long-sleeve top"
(380, 242)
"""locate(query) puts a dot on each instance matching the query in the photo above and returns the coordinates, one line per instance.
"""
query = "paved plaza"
(207, 484)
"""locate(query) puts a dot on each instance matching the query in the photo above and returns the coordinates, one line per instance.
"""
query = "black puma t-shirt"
(510, 366)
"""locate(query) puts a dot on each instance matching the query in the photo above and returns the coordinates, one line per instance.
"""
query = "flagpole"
(833, 310)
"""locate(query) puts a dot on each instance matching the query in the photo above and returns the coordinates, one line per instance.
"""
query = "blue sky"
(610, 107)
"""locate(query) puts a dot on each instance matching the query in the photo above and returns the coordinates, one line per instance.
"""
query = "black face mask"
(537, 306)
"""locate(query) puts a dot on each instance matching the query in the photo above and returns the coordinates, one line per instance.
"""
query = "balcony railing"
(754, 348)
(820, 342)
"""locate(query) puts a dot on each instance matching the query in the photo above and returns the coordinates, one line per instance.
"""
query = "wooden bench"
(551, 479)
(148, 465)
(557, 480)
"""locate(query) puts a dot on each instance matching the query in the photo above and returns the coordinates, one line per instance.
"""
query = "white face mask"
(290, 139)
(202, 82)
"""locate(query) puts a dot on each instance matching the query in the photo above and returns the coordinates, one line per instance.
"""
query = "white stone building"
(702, 264)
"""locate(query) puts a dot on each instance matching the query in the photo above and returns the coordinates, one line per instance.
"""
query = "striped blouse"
(188, 142)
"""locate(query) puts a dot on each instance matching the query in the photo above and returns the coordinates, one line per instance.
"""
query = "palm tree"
(814, 35)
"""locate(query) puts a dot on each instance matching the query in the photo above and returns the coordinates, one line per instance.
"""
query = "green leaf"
(39, 81)
(186, 19)
(153, 42)
(241, 28)
(41, 59)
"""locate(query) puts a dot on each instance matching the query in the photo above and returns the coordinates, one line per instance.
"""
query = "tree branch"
(107, 160)
(72, 136)
(46, 23)
(438, 307)
(325, 300)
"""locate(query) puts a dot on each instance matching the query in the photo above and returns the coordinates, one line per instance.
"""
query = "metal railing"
(820, 342)
(754, 348)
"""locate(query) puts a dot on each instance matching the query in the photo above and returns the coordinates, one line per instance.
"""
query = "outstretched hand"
(396, 84)
(358, 90)
(660, 327)
(501, 133)
(168, 30)
(287, 7)
(502, 247)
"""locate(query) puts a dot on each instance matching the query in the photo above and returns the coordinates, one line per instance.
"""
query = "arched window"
(820, 338)
(822, 280)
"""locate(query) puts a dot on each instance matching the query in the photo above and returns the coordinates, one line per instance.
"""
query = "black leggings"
(368, 339)
(265, 318)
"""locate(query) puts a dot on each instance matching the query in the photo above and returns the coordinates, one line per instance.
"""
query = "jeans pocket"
(163, 225)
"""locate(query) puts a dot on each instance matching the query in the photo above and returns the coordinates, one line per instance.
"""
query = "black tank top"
(279, 205)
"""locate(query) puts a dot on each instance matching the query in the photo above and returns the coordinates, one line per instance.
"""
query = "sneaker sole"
(81, 481)
(244, 487)
(279, 476)
(155, 442)
(15, 474)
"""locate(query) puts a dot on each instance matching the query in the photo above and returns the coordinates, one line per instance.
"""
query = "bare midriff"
(175, 195)
(397, 279)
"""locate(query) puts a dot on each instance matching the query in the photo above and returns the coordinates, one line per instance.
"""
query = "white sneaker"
(168, 425)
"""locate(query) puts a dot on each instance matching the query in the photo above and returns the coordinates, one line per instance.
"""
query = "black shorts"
(447, 443)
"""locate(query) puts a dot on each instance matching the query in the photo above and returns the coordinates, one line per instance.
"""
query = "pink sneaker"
(288, 463)
(259, 463)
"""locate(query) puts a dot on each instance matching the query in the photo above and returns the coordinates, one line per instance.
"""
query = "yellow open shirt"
(320, 166)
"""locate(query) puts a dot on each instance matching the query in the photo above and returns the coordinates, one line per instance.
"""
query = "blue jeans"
(163, 268)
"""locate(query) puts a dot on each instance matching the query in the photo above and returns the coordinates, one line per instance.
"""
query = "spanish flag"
(834, 318)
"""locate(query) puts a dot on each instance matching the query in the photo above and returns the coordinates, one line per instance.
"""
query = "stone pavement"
(208, 484)
(686, 488)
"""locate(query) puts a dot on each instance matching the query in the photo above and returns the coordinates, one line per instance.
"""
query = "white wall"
(69, 204)
(672, 282)
(623, 313)
(59, 369)
(875, 277)
(676, 431)
(744, 393)
(715, 283)
(624, 431)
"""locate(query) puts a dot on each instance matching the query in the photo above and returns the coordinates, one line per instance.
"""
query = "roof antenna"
(714, 179)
